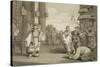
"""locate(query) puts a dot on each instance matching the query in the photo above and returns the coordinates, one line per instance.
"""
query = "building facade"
(88, 23)
(23, 18)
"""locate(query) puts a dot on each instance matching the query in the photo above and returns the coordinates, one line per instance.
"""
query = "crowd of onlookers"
(77, 43)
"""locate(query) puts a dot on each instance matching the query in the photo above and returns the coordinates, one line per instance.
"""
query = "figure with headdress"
(33, 42)
(67, 38)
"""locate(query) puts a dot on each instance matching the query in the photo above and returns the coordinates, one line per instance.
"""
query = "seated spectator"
(82, 53)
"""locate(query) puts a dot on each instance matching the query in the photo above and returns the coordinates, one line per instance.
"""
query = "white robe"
(68, 42)
(33, 37)
(28, 40)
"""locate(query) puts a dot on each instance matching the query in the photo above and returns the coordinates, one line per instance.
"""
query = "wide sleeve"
(28, 40)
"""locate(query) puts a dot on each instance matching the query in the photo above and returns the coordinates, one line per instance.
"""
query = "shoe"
(36, 55)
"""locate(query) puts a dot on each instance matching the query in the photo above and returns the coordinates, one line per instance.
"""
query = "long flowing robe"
(28, 40)
(68, 42)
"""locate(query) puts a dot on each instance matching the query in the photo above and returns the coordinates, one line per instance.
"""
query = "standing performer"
(33, 42)
(67, 37)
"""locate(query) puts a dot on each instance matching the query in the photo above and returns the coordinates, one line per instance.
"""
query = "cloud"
(52, 11)
(59, 18)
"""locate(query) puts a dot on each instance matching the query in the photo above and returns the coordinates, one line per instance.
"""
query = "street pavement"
(46, 57)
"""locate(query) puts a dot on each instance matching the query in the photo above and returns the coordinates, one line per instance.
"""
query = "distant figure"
(67, 37)
(82, 53)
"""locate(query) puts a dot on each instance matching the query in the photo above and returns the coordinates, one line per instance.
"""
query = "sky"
(60, 15)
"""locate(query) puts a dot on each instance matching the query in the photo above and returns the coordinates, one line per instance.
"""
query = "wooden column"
(42, 15)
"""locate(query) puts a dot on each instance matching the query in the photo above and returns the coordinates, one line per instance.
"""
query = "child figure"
(31, 49)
